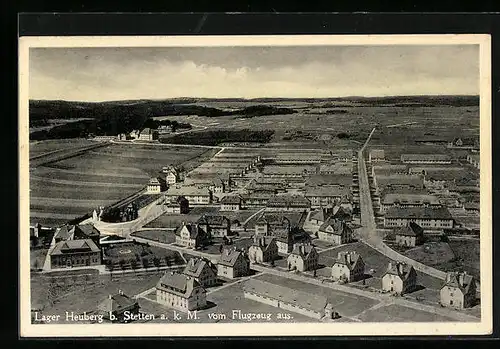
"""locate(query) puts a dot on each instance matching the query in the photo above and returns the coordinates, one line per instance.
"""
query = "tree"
(122, 264)
(156, 262)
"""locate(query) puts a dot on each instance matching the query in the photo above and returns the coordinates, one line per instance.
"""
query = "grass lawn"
(431, 253)
(168, 220)
(80, 297)
(164, 236)
(37, 258)
(397, 313)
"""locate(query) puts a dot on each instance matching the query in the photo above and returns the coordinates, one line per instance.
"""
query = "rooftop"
(418, 213)
(187, 190)
(74, 246)
(393, 198)
(425, 157)
(403, 270)
(230, 256)
(412, 229)
(309, 301)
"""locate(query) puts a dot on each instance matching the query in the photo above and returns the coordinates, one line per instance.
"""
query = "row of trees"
(214, 137)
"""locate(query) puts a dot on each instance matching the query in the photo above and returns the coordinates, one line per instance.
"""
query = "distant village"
(301, 200)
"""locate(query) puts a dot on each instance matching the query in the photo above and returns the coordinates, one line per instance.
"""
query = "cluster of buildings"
(75, 246)
(427, 190)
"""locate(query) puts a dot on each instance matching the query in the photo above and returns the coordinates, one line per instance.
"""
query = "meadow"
(72, 187)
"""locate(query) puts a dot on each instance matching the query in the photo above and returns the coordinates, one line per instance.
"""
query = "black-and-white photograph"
(336, 184)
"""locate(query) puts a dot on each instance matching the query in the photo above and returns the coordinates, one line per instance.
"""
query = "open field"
(52, 145)
(84, 293)
(99, 177)
(397, 313)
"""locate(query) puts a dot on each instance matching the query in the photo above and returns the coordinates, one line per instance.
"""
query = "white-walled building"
(399, 278)
(348, 267)
(180, 292)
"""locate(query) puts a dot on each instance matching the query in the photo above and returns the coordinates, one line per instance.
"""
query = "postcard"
(329, 185)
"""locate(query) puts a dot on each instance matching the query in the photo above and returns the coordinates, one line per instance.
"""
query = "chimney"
(110, 297)
(389, 266)
(348, 257)
(183, 223)
(400, 268)
(461, 278)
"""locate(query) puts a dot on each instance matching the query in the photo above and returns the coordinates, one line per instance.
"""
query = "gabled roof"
(418, 213)
(194, 231)
(309, 301)
(74, 246)
(412, 229)
(351, 259)
(178, 284)
(263, 242)
(288, 201)
(231, 200)
(217, 182)
(403, 270)
(425, 157)
(195, 266)
(229, 257)
(87, 229)
(320, 215)
(460, 280)
(393, 198)
(65, 232)
(117, 303)
(214, 220)
(338, 226)
(303, 250)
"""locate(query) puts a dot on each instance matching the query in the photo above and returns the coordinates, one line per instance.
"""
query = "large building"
(288, 299)
(233, 263)
(118, 308)
(399, 278)
(288, 203)
(327, 195)
(180, 292)
(278, 227)
(190, 235)
(426, 217)
(77, 232)
(304, 257)
(458, 291)
(230, 203)
(376, 155)
(426, 159)
(215, 225)
(408, 200)
(196, 195)
(172, 174)
(263, 249)
(348, 267)
(202, 270)
(398, 182)
(178, 206)
(75, 253)
(148, 134)
(156, 186)
(335, 231)
(410, 235)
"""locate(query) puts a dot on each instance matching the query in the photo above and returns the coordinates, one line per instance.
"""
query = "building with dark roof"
(336, 231)
(233, 263)
(328, 195)
(458, 291)
(263, 249)
(288, 203)
(75, 253)
(308, 304)
(303, 257)
(180, 292)
(191, 235)
(215, 225)
(348, 267)
(408, 200)
(230, 203)
(376, 155)
(409, 235)
(202, 270)
(156, 185)
(426, 217)
(118, 307)
(180, 205)
(425, 159)
(399, 278)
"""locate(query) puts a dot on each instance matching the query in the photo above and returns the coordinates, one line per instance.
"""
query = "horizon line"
(255, 98)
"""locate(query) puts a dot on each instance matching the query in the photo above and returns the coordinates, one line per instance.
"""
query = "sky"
(106, 74)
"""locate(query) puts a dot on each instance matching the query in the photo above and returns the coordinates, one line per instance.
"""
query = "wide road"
(368, 231)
